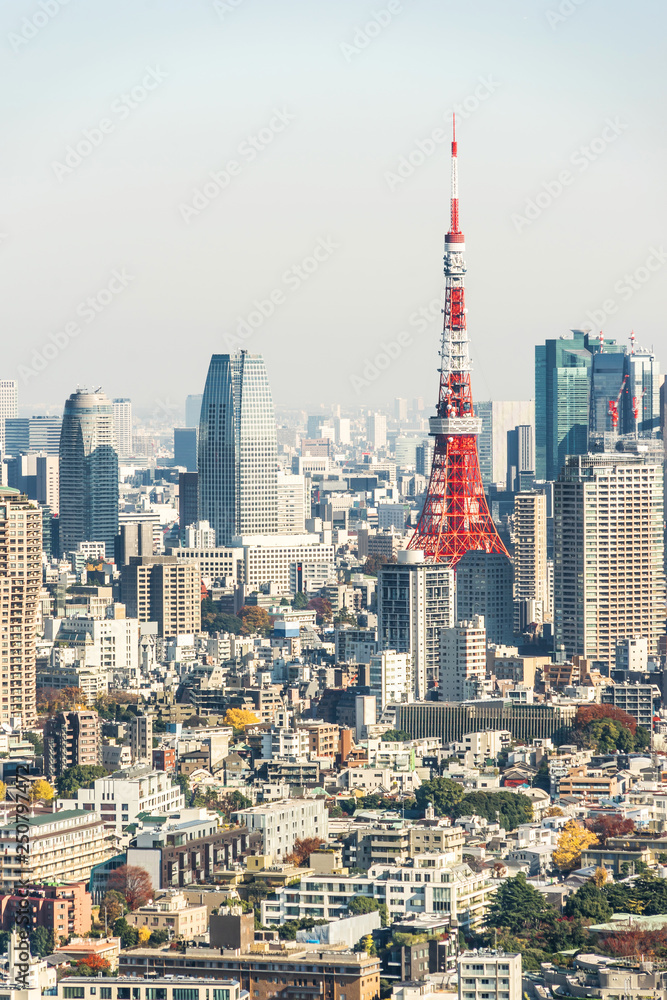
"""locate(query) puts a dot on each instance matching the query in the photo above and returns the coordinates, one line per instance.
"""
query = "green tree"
(4, 942)
(366, 904)
(36, 741)
(42, 942)
(214, 619)
(590, 903)
(509, 808)
(300, 602)
(541, 779)
(129, 936)
(443, 793)
(79, 776)
(516, 905)
(396, 736)
(112, 908)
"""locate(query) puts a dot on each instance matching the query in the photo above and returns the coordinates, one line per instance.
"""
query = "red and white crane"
(613, 406)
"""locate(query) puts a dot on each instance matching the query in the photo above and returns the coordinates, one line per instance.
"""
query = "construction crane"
(613, 406)
(636, 400)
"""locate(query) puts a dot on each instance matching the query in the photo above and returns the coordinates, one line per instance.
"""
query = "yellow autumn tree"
(239, 718)
(41, 790)
(554, 811)
(601, 876)
(574, 838)
(3, 791)
(144, 934)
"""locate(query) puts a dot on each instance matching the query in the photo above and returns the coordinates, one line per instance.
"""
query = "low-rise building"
(185, 987)
(64, 909)
(170, 912)
(64, 846)
(123, 795)
(489, 975)
(281, 823)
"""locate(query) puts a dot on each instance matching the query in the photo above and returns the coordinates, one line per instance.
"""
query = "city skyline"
(347, 225)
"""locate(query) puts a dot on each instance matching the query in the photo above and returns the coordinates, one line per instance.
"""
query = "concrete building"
(88, 472)
(531, 577)
(222, 566)
(122, 419)
(637, 700)
(188, 504)
(32, 434)
(8, 406)
(185, 986)
(141, 739)
(489, 975)
(120, 797)
(163, 589)
(281, 823)
(238, 459)
(500, 418)
(484, 586)
(20, 584)
(391, 678)
(111, 642)
(64, 846)
(185, 448)
(462, 660)
(171, 912)
(415, 601)
(376, 431)
(293, 503)
(71, 739)
(609, 579)
(65, 910)
(293, 563)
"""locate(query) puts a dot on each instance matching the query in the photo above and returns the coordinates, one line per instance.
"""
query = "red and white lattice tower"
(455, 518)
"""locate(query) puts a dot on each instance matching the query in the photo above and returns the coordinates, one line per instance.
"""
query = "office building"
(141, 739)
(281, 823)
(111, 642)
(120, 797)
(520, 458)
(424, 458)
(238, 463)
(185, 448)
(562, 389)
(9, 395)
(199, 535)
(531, 570)
(20, 585)
(193, 410)
(499, 417)
(391, 678)
(293, 503)
(36, 475)
(484, 586)
(134, 538)
(609, 580)
(462, 660)
(168, 987)
(643, 394)
(608, 384)
(188, 503)
(416, 599)
(122, 419)
(365, 715)
(400, 410)
(71, 739)
(489, 974)
(292, 563)
(88, 472)
(165, 590)
(32, 434)
(376, 431)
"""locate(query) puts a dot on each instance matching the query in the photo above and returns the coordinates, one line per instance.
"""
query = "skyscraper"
(562, 388)
(415, 601)
(531, 576)
(484, 586)
(8, 406)
(609, 579)
(643, 388)
(193, 410)
(31, 434)
(376, 431)
(499, 418)
(185, 448)
(608, 378)
(462, 660)
(238, 451)
(20, 583)
(88, 472)
(122, 418)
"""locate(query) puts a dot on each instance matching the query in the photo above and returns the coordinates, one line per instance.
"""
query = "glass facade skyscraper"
(238, 451)
(88, 472)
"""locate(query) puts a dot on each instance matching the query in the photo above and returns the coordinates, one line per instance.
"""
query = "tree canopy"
(573, 839)
(449, 799)
(214, 619)
(133, 884)
(254, 620)
(79, 776)
(302, 850)
(516, 905)
(239, 718)
(367, 904)
(395, 736)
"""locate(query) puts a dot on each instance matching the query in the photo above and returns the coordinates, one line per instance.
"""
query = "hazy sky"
(321, 106)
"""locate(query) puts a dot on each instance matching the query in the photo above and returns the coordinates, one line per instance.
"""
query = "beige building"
(609, 580)
(531, 581)
(165, 590)
(170, 912)
(20, 585)
(64, 846)
(462, 660)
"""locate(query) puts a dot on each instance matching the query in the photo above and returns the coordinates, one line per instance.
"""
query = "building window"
(185, 994)
(156, 993)
(74, 992)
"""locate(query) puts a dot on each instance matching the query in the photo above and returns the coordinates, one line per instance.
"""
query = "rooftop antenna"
(601, 339)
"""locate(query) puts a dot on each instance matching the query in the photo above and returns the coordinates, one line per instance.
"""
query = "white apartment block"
(291, 562)
(221, 565)
(531, 578)
(64, 846)
(293, 503)
(489, 975)
(111, 643)
(281, 823)
(285, 743)
(121, 797)
(9, 396)
(392, 678)
(199, 536)
(462, 660)
(433, 883)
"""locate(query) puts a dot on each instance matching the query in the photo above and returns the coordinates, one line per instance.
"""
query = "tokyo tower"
(455, 518)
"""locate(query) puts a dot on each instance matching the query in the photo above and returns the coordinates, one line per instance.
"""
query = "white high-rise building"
(122, 419)
(609, 580)
(531, 578)
(391, 678)
(484, 974)
(9, 396)
(416, 600)
(199, 536)
(462, 660)
(499, 417)
(293, 503)
(376, 431)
